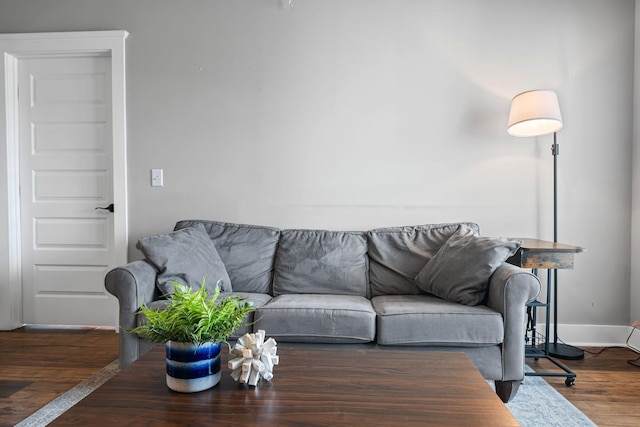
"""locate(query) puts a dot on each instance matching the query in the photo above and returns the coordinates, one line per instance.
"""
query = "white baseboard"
(594, 335)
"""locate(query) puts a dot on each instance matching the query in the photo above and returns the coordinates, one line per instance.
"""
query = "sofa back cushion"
(247, 251)
(397, 254)
(321, 262)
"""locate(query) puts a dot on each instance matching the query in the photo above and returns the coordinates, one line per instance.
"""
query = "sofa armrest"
(510, 288)
(134, 285)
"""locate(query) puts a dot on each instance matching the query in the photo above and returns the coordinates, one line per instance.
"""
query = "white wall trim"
(634, 289)
(10, 268)
(12, 47)
(592, 335)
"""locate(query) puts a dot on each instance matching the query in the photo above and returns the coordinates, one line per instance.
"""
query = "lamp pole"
(560, 351)
(555, 150)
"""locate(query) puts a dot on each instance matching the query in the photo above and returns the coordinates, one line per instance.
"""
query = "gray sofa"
(437, 287)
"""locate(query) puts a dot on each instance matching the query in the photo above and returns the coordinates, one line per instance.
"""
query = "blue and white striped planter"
(192, 367)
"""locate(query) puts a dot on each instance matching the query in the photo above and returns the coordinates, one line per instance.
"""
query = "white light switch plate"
(157, 178)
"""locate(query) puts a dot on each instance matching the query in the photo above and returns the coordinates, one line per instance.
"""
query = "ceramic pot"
(192, 367)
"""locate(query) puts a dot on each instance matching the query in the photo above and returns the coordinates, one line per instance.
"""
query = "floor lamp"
(536, 113)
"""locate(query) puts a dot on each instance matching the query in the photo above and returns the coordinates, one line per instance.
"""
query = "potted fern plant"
(193, 326)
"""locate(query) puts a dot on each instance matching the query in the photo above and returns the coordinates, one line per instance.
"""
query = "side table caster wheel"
(569, 382)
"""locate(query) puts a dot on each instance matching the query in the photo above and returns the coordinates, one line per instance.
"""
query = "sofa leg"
(506, 390)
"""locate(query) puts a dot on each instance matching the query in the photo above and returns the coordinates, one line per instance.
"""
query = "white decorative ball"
(253, 358)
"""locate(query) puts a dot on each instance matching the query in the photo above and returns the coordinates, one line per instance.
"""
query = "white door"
(64, 119)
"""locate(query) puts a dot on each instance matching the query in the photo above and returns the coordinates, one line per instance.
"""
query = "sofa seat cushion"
(257, 300)
(429, 320)
(318, 318)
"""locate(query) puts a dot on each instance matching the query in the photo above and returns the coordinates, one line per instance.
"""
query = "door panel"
(71, 279)
(70, 185)
(78, 137)
(65, 173)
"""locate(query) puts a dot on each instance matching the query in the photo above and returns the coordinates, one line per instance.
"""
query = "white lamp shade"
(534, 113)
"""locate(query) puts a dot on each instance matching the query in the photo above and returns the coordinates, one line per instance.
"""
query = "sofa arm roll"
(133, 284)
(510, 288)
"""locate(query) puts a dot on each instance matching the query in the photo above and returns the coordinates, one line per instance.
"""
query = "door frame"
(12, 48)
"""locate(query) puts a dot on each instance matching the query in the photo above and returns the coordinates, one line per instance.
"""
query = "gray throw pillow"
(460, 270)
(185, 256)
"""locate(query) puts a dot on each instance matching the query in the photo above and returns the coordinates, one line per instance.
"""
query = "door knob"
(108, 208)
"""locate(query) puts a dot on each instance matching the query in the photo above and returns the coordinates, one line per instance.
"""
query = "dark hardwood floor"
(37, 365)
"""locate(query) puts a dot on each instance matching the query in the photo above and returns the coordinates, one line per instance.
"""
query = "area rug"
(536, 404)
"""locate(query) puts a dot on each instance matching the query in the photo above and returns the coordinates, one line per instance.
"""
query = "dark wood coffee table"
(329, 387)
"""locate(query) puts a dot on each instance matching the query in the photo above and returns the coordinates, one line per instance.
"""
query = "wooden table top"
(311, 386)
(545, 245)
(536, 253)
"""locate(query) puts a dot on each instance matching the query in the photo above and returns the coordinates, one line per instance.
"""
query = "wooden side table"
(541, 254)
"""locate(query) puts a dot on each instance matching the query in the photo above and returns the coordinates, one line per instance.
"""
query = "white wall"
(354, 114)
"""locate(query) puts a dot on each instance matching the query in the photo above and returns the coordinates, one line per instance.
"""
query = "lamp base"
(567, 352)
